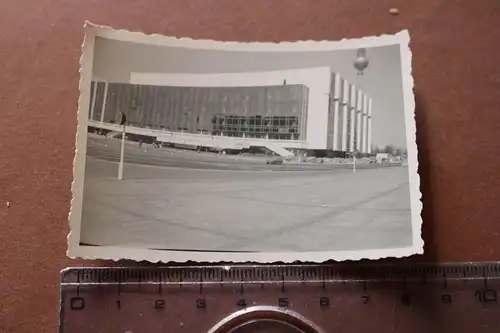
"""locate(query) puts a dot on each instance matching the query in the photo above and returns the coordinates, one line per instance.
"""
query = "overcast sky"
(115, 60)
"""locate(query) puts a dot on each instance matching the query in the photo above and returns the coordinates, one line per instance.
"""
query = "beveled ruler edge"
(238, 272)
(335, 273)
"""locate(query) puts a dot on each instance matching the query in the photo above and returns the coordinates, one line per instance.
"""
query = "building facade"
(349, 117)
(275, 112)
(313, 107)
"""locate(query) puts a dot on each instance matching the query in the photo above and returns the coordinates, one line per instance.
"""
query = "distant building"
(300, 109)
(382, 157)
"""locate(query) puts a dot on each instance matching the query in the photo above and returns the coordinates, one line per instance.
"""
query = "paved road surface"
(109, 150)
(252, 210)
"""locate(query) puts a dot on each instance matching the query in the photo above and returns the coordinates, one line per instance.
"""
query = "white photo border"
(76, 250)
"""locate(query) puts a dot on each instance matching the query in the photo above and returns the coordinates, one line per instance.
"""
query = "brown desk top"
(457, 75)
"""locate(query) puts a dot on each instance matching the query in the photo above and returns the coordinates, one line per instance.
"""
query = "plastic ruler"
(444, 298)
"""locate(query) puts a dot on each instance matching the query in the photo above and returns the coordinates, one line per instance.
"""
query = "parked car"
(276, 161)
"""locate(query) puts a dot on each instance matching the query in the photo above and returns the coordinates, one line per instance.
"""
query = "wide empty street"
(188, 201)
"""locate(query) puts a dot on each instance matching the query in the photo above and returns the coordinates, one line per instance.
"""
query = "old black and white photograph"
(208, 151)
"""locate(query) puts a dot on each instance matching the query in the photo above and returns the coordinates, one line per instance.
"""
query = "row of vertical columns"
(359, 111)
(345, 112)
(352, 117)
(352, 113)
(364, 139)
(93, 101)
(337, 86)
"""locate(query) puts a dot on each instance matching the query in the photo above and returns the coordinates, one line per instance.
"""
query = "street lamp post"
(354, 163)
(123, 121)
(354, 153)
(360, 64)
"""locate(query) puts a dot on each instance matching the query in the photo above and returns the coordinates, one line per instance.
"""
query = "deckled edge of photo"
(85, 72)
(75, 250)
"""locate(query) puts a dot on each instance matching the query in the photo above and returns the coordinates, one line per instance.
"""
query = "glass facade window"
(276, 128)
(231, 111)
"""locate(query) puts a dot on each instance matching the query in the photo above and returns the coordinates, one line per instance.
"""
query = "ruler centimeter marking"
(465, 292)
(228, 274)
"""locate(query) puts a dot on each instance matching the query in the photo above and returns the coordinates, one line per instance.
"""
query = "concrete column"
(345, 110)
(365, 123)
(336, 107)
(92, 103)
(352, 117)
(369, 132)
(104, 98)
(359, 110)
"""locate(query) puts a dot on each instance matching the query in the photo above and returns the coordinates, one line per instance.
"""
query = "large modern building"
(309, 109)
